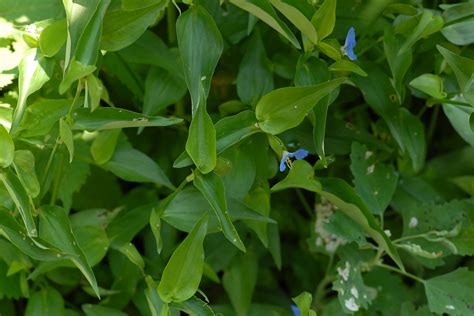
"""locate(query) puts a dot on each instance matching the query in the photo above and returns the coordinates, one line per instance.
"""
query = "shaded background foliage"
(141, 142)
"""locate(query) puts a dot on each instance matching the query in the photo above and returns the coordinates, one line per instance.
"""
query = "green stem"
(304, 202)
(57, 180)
(171, 23)
(407, 274)
(319, 293)
(48, 164)
(432, 124)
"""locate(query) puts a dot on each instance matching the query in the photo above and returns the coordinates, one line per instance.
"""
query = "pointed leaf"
(7, 148)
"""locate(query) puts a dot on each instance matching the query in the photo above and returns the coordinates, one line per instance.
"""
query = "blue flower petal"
(301, 153)
(283, 161)
(296, 310)
(350, 44)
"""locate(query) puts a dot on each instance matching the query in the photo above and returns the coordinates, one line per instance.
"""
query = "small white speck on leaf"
(355, 292)
(368, 154)
(351, 305)
(370, 169)
(413, 222)
(344, 273)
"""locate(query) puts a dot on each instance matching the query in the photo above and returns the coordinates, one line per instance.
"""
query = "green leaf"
(229, 131)
(430, 84)
(24, 165)
(53, 37)
(341, 195)
(463, 67)
(212, 187)
(7, 148)
(134, 220)
(201, 142)
(451, 293)
(239, 281)
(84, 26)
(194, 306)
(263, 10)
(94, 92)
(48, 301)
(303, 301)
(124, 24)
(459, 20)
(34, 72)
(462, 120)
(352, 292)
(17, 235)
(133, 165)
(98, 310)
(162, 88)
(344, 65)
(41, 116)
(200, 45)
(374, 181)
(66, 136)
(76, 71)
(55, 228)
(21, 199)
(103, 146)
(183, 272)
(111, 118)
(325, 18)
(466, 183)
(155, 304)
(286, 108)
(297, 18)
(255, 77)
(427, 24)
(129, 250)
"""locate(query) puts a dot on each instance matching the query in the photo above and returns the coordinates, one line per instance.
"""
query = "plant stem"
(171, 23)
(304, 202)
(432, 125)
(407, 274)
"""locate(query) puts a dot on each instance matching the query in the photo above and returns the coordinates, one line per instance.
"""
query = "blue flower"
(286, 161)
(296, 310)
(348, 48)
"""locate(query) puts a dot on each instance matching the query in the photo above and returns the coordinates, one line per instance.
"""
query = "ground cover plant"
(236, 157)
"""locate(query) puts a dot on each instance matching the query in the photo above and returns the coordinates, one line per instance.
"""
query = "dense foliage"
(236, 157)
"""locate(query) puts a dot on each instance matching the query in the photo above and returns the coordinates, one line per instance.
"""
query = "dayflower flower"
(286, 161)
(296, 310)
(348, 48)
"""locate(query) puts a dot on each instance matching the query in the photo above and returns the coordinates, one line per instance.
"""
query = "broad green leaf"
(399, 62)
(183, 272)
(229, 131)
(297, 18)
(466, 183)
(263, 10)
(99, 310)
(55, 228)
(66, 136)
(76, 71)
(200, 46)
(84, 26)
(329, 50)
(21, 199)
(374, 181)
(239, 281)
(162, 88)
(53, 37)
(413, 137)
(124, 23)
(24, 164)
(17, 235)
(303, 301)
(459, 21)
(129, 250)
(341, 195)
(94, 92)
(344, 65)
(325, 18)
(34, 72)
(212, 188)
(48, 301)
(92, 240)
(111, 118)
(255, 77)
(73, 175)
(427, 24)
(463, 67)
(194, 306)
(430, 84)
(7, 148)
(133, 165)
(353, 294)
(155, 304)
(41, 116)
(201, 142)
(286, 108)
(451, 293)
(103, 146)
(134, 220)
(461, 119)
